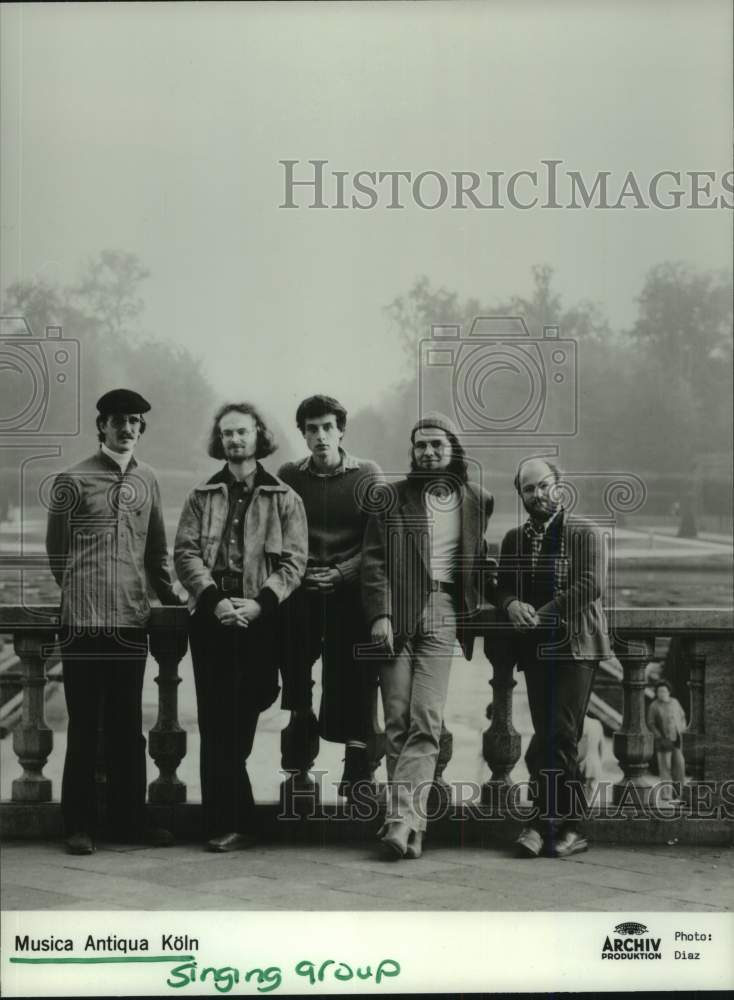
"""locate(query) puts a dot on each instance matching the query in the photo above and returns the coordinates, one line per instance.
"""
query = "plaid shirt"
(535, 532)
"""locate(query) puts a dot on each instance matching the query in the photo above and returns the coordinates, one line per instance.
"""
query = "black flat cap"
(122, 401)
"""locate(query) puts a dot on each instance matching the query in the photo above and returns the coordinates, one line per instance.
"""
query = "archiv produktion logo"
(630, 942)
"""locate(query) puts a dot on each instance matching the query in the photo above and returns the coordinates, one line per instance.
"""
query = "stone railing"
(706, 637)
(707, 644)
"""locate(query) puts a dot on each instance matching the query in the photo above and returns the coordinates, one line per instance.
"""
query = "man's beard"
(434, 477)
(240, 456)
(541, 513)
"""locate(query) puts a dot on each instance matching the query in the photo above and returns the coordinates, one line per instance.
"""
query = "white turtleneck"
(120, 458)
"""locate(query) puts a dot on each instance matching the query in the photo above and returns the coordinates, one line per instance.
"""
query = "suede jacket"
(275, 535)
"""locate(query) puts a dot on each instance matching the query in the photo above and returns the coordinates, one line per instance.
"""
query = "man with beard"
(240, 551)
(421, 568)
(324, 617)
(550, 585)
(106, 543)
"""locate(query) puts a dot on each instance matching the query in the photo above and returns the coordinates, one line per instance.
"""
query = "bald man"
(550, 585)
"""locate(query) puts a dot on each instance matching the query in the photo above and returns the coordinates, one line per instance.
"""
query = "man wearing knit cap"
(106, 545)
(422, 563)
(324, 617)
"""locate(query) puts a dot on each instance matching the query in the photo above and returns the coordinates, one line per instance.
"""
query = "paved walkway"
(39, 876)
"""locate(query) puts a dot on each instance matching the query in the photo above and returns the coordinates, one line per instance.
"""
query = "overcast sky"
(158, 130)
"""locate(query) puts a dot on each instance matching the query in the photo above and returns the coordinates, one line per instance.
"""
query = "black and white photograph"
(366, 545)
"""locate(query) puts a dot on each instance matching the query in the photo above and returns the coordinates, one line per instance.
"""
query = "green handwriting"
(225, 977)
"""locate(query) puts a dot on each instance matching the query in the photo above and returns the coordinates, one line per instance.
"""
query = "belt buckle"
(229, 583)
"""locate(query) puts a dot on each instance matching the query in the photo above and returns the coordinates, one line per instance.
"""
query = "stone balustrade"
(706, 639)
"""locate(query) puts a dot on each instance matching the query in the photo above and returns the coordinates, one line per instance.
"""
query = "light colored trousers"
(414, 687)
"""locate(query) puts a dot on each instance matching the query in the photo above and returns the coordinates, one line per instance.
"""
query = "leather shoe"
(529, 844)
(570, 843)
(395, 842)
(415, 845)
(79, 843)
(230, 842)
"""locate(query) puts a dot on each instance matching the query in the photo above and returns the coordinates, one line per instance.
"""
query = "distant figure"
(591, 752)
(667, 722)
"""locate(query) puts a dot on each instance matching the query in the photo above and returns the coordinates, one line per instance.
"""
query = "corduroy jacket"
(106, 543)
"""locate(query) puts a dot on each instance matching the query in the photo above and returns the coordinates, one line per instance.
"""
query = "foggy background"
(140, 192)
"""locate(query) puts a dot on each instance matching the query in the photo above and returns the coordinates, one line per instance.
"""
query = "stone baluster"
(167, 740)
(501, 741)
(32, 739)
(633, 743)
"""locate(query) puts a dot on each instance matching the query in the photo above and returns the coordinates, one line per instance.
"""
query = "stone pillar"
(167, 740)
(500, 742)
(633, 744)
(32, 739)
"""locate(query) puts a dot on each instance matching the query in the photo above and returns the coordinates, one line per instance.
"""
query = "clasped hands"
(324, 579)
(523, 616)
(237, 611)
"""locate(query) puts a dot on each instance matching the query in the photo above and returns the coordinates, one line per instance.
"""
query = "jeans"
(414, 688)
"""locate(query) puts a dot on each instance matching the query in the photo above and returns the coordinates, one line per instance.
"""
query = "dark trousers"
(236, 678)
(329, 626)
(558, 696)
(104, 674)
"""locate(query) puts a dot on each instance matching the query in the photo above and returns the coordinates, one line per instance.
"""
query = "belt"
(229, 583)
(444, 587)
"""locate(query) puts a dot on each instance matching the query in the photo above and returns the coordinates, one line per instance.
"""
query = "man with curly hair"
(240, 551)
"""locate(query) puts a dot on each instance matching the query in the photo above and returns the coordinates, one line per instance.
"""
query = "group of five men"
(320, 561)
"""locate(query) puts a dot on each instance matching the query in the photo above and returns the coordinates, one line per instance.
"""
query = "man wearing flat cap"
(106, 545)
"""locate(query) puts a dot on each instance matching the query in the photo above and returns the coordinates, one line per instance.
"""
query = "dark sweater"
(336, 522)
